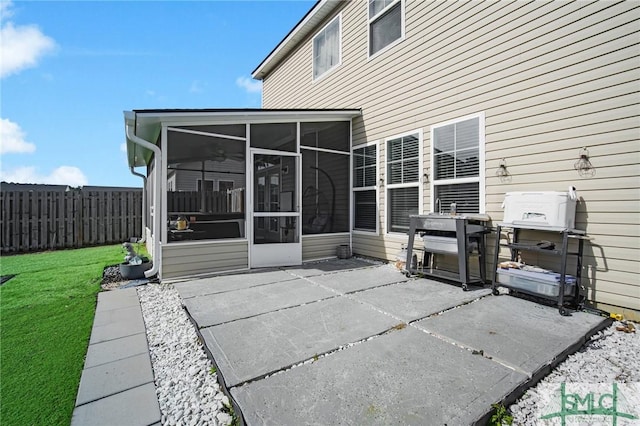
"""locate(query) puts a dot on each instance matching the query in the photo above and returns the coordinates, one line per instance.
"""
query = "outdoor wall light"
(425, 176)
(583, 165)
(502, 169)
(381, 182)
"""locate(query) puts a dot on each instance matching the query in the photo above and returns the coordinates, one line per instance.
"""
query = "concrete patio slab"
(108, 379)
(254, 347)
(404, 377)
(117, 349)
(325, 267)
(360, 279)
(136, 406)
(219, 308)
(117, 299)
(417, 299)
(524, 335)
(120, 327)
(109, 316)
(226, 283)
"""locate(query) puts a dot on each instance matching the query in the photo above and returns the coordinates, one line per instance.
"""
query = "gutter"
(156, 196)
(143, 238)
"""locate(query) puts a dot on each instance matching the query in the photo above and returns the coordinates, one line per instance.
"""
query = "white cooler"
(544, 208)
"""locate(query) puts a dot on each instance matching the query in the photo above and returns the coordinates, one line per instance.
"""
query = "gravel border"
(186, 382)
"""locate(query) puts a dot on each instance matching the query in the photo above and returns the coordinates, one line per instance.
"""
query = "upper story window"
(457, 153)
(386, 24)
(326, 49)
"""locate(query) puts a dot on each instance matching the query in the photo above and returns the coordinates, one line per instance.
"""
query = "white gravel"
(186, 385)
(609, 356)
(189, 394)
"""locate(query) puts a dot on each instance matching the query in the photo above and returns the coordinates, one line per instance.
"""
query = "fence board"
(45, 220)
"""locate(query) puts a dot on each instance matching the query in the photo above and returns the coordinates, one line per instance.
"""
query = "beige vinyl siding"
(322, 246)
(551, 78)
(191, 259)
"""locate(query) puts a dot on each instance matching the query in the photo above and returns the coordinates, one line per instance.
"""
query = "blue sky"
(70, 68)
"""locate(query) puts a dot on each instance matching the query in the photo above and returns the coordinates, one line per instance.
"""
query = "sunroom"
(236, 189)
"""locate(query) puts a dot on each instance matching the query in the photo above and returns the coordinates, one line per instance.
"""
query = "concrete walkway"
(349, 342)
(117, 386)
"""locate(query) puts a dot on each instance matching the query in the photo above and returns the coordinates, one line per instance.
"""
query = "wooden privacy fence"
(44, 220)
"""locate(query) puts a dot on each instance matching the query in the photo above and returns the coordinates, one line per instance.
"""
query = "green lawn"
(46, 314)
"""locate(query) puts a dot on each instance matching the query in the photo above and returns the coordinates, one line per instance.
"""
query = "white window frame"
(315, 78)
(419, 183)
(375, 187)
(371, 20)
(481, 163)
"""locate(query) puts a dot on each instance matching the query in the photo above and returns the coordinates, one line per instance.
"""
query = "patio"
(353, 342)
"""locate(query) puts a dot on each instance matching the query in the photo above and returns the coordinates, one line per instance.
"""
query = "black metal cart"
(457, 235)
(564, 296)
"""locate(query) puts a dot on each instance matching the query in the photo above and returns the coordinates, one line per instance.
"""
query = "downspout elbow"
(157, 159)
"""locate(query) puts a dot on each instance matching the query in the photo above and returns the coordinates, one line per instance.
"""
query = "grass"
(46, 315)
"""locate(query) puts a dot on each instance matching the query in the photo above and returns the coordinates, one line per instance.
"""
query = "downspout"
(143, 238)
(157, 163)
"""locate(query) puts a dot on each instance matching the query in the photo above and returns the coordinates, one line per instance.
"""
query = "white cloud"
(196, 87)
(63, 175)
(251, 86)
(12, 138)
(21, 46)
(123, 147)
(5, 9)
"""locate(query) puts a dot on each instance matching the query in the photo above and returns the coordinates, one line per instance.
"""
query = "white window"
(326, 49)
(457, 156)
(404, 169)
(365, 192)
(386, 24)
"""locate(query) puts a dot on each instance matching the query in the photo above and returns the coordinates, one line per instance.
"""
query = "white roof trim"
(320, 11)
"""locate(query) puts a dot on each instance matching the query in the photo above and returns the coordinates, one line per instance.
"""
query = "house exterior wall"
(192, 259)
(550, 78)
(322, 246)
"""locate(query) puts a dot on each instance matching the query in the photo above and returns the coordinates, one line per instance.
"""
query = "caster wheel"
(564, 312)
(465, 287)
(495, 292)
(407, 274)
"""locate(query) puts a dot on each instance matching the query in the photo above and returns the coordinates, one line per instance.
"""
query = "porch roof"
(147, 123)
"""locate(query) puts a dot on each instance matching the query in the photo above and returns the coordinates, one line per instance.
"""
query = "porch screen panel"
(326, 135)
(325, 196)
(197, 163)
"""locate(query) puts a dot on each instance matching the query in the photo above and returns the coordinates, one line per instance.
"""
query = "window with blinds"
(456, 164)
(385, 24)
(365, 178)
(403, 181)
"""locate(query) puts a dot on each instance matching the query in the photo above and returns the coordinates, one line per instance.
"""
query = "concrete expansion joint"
(286, 308)
(318, 356)
(114, 393)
